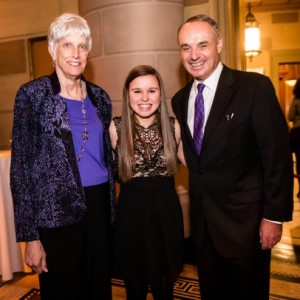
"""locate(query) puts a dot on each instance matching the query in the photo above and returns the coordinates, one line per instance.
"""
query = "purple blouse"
(91, 165)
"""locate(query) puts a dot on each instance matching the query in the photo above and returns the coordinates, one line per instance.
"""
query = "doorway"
(288, 74)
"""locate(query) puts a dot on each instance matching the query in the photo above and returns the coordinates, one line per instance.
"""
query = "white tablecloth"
(11, 259)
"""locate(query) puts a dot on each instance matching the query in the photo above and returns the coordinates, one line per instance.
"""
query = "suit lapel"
(220, 102)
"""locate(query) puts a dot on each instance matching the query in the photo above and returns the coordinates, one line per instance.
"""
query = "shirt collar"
(212, 81)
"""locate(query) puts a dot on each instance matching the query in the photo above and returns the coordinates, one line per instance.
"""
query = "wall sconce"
(252, 35)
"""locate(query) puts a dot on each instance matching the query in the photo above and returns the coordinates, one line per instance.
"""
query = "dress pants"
(78, 256)
(233, 278)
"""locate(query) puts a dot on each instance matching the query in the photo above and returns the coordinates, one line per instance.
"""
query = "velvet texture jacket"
(245, 170)
(45, 180)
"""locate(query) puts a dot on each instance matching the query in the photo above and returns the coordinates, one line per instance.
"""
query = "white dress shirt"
(208, 95)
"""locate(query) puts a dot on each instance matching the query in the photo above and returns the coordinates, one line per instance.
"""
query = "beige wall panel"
(70, 6)
(39, 14)
(116, 70)
(197, 9)
(171, 71)
(286, 36)
(8, 89)
(86, 6)
(136, 33)
(12, 57)
(20, 17)
(94, 21)
(282, 35)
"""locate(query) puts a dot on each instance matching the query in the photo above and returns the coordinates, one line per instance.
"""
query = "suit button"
(201, 171)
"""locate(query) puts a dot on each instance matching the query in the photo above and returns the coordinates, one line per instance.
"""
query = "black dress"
(148, 239)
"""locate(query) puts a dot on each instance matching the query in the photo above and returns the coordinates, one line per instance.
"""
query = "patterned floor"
(285, 267)
(285, 272)
(285, 263)
(184, 288)
(33, 294)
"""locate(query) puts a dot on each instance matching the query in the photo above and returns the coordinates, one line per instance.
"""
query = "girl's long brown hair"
(127, 131)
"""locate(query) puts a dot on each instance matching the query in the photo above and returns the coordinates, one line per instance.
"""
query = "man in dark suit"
(241, 181)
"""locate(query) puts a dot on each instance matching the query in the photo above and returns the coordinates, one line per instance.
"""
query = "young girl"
(148, 241)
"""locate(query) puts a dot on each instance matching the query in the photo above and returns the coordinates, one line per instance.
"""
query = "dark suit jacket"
(244, 172)
(45, 180)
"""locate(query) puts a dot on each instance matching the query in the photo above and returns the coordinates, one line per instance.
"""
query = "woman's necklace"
(85, 134)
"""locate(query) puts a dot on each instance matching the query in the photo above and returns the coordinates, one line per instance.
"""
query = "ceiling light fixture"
(252, 35)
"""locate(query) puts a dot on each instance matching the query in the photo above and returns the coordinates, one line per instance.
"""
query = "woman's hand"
(35, 256)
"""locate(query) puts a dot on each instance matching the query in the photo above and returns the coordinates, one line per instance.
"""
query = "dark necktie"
(199, 118)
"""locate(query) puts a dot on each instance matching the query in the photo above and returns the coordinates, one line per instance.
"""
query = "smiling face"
(144, 98)
(199, 49)
(70, 56)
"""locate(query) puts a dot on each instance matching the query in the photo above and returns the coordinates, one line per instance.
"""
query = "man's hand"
(270, 234)
(35, 256)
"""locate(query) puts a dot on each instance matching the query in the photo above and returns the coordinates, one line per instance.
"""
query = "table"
(11, 252)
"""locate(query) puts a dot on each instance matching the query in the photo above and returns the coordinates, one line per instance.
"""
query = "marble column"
(129, 33)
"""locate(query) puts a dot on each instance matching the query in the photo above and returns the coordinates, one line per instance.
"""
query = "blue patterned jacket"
(44, 176)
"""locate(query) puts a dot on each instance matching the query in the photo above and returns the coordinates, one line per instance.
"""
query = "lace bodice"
(148, 150)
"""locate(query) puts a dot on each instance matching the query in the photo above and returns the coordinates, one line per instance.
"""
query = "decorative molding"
(194, 2)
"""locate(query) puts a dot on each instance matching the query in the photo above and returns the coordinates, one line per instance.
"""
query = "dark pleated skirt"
(148, 236)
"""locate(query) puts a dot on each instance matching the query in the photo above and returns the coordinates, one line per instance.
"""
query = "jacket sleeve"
(271, 131)
(23, 138)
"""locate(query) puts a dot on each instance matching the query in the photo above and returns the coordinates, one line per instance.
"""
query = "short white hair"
(65, 25)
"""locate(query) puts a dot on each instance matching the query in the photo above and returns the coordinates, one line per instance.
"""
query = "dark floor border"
(33, 294)
(285, 277)
(278, 297)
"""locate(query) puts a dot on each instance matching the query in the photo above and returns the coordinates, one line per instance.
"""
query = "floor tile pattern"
(285, 272)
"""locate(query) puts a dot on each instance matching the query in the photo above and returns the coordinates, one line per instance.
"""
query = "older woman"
(62, 171)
